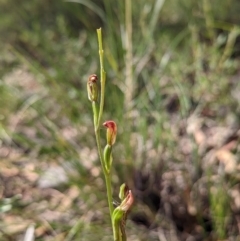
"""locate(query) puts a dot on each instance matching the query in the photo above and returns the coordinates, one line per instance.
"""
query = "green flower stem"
(107, 174)
(97, 120)
(95, 113)
(109, 192)
(103, 74)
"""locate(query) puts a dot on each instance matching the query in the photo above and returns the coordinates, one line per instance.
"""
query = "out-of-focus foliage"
(172, 87)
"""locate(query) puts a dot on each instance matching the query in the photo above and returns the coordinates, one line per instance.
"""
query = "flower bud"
(111, 132)
(92, 88)
(108, 157)
(123, 191)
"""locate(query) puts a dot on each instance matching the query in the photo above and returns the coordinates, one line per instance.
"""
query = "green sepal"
(122, 191)
(108, 157)
(117, 217)
(117, 214)
(92, 89)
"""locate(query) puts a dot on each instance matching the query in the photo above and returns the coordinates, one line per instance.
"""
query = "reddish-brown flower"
(127, 202)
(111, 131)
(92, 87)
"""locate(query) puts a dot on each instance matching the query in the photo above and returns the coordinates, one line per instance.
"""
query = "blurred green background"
(173, 87)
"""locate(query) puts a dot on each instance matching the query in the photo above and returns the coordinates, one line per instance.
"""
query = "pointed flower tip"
(110, 124)
(111, 131)
(127, 202)
(93, 78)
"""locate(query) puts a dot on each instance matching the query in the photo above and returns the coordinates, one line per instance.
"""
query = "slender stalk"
(109, 192)
(107, 175)
(95, 113)
(118, 216)
(97, 121)
(102, 73)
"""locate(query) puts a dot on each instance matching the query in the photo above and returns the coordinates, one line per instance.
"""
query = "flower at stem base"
(127, 202)
(111, 131)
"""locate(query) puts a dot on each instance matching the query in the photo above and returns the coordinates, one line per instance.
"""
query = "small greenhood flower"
(92, 87)
(127, 202)
(111, 131)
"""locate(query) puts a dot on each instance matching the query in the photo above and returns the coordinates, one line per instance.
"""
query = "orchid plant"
(96, 96)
